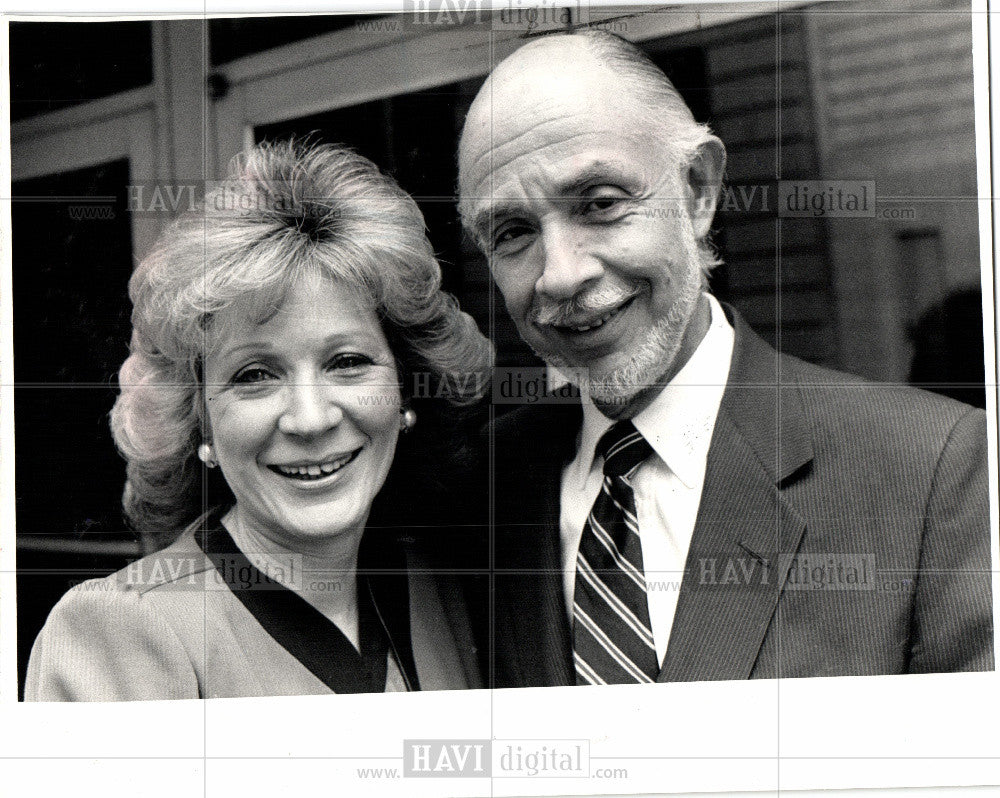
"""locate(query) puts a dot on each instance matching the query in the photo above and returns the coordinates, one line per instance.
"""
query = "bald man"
(712, 510)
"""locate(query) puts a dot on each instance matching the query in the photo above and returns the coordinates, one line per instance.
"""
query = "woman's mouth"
(312, 472)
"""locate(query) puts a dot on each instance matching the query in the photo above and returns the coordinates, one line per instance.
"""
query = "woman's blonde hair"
(285, 211)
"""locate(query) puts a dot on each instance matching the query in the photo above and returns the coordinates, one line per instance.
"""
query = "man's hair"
(661, 107)
(666, 112)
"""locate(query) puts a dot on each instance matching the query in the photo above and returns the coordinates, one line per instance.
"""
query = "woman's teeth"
(317, 471)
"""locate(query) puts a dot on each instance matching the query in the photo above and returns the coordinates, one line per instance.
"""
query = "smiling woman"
(276, 333)
(303, 413)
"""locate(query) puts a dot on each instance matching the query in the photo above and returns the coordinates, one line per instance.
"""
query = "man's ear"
(703, 184)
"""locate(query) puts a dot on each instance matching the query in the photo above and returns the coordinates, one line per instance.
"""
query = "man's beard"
(616, 393)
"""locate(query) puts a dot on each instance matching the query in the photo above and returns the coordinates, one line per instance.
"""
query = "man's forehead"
(544, 79)
(548, 103)
(545, 136)
(562, 82)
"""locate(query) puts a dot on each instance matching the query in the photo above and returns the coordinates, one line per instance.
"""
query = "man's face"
(584, 222)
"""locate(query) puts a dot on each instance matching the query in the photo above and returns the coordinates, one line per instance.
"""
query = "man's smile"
(592, 322)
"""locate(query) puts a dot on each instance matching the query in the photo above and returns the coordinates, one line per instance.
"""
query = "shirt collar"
(678, 423)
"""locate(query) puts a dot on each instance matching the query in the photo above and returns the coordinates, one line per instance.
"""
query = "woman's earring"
(407, 419)
(207, 455)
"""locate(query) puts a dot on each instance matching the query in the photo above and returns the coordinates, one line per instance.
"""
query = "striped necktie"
(612, 639)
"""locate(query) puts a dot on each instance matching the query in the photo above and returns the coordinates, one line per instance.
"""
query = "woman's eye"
(251, 375)
(350, 360)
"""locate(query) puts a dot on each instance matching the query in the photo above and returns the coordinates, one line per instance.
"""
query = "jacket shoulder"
(181, 563)
(103, 642)
(898, 440)
(836, 399)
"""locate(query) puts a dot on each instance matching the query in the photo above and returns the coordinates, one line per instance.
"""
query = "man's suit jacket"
(807, 468)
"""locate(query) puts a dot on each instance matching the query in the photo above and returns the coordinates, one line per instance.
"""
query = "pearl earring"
(407, 419)
(207, 455)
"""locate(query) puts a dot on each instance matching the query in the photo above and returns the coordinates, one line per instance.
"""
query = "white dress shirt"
(678, 424)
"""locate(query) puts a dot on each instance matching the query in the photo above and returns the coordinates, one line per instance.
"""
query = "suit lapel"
(533, 645)
(734, 573)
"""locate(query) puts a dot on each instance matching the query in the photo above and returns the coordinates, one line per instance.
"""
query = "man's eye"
(508, 236)
(602, 201)
(251, 375)
(350, 360)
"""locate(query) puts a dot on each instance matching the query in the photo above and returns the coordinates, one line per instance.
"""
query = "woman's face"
(303, 411)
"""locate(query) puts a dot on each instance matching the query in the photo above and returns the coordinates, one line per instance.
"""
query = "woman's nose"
(310, 410)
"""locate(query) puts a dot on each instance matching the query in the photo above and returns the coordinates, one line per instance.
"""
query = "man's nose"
(567, 264)
(310, 410)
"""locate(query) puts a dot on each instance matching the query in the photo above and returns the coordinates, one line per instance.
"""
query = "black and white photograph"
(611, 388)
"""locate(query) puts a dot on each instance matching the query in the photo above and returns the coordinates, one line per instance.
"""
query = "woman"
(276, 337)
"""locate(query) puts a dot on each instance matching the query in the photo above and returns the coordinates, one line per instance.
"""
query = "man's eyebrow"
(574, 186)
(601, 172)
(482, 221)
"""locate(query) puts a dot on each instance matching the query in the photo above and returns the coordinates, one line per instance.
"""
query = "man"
(714, 510)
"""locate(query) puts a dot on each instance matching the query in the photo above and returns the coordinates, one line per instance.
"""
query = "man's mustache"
(582, 307)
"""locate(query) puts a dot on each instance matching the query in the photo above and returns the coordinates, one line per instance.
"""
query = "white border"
(838, 733)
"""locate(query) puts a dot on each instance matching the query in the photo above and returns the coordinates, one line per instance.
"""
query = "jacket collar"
(745, 531)
(771, 420)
